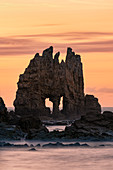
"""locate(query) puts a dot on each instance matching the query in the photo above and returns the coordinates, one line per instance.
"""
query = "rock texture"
(3, 111)
(92, 126)
(10, 132)
(27, 123)
(45, 78)
(14, 126)
(91, 104)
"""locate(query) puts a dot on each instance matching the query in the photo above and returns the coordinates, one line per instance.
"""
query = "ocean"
(107, 109)
(95, 157)
(99, 156)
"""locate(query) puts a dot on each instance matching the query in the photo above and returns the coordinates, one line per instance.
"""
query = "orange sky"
(27, 27)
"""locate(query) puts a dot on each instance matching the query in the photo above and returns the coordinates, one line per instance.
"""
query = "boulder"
(92, 105)
(108, 115)
(26, 123)
(32, 149)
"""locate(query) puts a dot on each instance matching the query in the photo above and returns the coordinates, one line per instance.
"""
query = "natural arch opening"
(61, 103)
(49, 104)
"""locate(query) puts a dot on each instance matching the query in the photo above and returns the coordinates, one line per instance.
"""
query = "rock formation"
(92, 126)
(3, 111)
(13, 126)
(29, 123)
(91, 104)
(45, 78)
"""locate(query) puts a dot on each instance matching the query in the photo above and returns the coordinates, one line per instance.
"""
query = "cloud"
(100, 90)
(22, 50)
(14, 41)
(93, 50)
(105, 90)
(87, 42)
(104, 42)
(95, 3)
(48, 25)
(70, 34)
(90, 89)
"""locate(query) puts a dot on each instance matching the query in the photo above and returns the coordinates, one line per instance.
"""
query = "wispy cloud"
(14, 41)
(106, 90)
(47, 25)
(97, 3)
(70, 34)
(80, 41)
(100, 90)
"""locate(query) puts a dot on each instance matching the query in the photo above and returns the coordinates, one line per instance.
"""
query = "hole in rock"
(61, 103)
(49, 104)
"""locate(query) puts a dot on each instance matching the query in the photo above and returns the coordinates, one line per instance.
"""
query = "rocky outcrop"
(92, 105)
(3, 111)
(45, 78)
(10, 132)
(27, 123)
(59, 144)
(92, 126)
(14, 127)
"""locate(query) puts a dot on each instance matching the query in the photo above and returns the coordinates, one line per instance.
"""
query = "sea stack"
(45, 78)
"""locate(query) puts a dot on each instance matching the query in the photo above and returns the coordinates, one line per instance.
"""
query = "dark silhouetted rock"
(102, 145)
(38, 145)
(53, 145)
(31, 145)
(21, 145)
(8, 144)
(10, 132)
(45, 78)
(29, 122)
(59, 144)
(92, 126)
(73, 144)
(84, 145)
(8, 117)
(32, 149)
(3, 111)
(92, 105)
(108, 115)
(41, 133)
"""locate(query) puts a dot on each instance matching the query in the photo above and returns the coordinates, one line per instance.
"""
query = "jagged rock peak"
(48, 52)
(3, 110)
(69, 50)
(56, 57)
(45, 78)
(71, 56)
(2, 105)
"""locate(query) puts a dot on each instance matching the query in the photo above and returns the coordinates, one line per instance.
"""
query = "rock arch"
(45, 78)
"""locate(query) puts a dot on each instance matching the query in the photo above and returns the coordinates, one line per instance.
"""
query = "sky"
(30, 26)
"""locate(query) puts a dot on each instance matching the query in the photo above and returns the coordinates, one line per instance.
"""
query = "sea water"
(99, 156)
(107, 109)
(95, 157)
